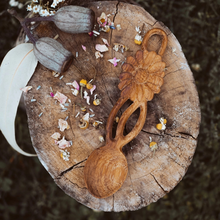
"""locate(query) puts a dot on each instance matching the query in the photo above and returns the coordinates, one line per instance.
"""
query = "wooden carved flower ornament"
(106, 168)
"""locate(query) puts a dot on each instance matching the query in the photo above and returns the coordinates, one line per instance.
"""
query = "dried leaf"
(16, 70)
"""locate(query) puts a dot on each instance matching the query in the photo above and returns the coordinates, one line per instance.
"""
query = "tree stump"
(151, 175)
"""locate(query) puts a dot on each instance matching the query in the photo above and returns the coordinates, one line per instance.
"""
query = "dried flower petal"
(98, 54)
(101, 47)
(97, 102)
(65, 155)
(138, 39)
(114, 61)
(92, 89)
(62, 144)
(75, 85)
(84, 48)
(63, 124)
(105, 41)
(106, 28)
(56, 135)
(102, 20)
(86, 97)
(153, 146)
(86, 117)
(101, 139)
(60, 97)
(75, 92)
(26, 89)
(118, 27)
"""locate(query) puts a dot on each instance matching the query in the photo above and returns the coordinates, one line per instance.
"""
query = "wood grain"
(149, 177)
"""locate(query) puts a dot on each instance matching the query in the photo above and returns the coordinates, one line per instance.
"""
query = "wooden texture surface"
(149, 177)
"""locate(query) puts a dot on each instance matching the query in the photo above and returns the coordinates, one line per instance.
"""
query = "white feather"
(16, 70)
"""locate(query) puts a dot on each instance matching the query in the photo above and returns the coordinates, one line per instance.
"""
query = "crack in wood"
(161, 135)
(176, 162)
(172, 72)
(107, 91)
(113, 202)
(70, 168)
(116, 10)
(165, 191)
(76, 184)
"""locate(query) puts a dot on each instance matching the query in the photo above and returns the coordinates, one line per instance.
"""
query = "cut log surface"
(150, 175)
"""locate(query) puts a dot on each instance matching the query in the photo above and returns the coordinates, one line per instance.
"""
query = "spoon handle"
(121, 140)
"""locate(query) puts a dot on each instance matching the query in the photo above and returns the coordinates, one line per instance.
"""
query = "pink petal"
(103, 16)
(60, 97)
(114, 61)
(105, 41)
(75, 85)
(84, 48)
(92, 89)
(101, 47)
(63, 143)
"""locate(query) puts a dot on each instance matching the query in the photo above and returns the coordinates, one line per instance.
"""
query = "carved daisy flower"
(142, 77)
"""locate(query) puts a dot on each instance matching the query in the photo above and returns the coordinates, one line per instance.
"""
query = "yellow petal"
(159, 126)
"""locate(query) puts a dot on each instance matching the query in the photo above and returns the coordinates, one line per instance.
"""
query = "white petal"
(101, 47)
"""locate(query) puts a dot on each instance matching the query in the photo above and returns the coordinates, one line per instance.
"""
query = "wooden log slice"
(150, 175)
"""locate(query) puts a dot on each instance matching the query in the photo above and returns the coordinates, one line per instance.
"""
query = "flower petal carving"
(139, 56)
(149, 58)
(132, 61)
(160, 74)
(156, 80)
(124, 84)
(125, 75)
(154, 88)
(157, 67)
(126, 67)
(148, 93)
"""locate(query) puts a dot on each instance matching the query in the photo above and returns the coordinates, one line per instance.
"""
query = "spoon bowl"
(105, 171)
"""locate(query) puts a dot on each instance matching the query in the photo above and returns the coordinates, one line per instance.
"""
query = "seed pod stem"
(23, 24)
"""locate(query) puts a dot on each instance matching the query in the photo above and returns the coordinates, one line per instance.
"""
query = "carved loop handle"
(149, 34)
(120, 139)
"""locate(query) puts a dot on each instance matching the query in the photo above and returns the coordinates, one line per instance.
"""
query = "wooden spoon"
(106, 168)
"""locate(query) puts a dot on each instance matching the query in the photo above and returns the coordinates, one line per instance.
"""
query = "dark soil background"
(28, 192)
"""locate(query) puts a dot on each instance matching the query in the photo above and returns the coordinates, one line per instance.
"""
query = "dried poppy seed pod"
(74, 19)
(51, 54)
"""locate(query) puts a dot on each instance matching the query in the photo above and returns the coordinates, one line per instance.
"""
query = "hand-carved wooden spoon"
(106, 168)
